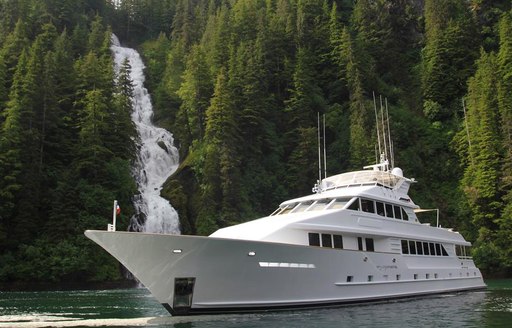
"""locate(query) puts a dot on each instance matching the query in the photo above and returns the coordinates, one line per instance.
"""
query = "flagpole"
(112, 227)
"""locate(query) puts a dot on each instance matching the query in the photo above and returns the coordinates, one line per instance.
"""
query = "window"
(389, 210)
(326, 240)
(367, 205)
(432, 248)
(380, 208)
(369, 245)
(405, 247)
(355, 205)
(425, 249)
(458, 250)
(427, 276)
(302, 207)
(419, 248)
(412, 247)
(435, 275)
(370, 278)
(340, 203)
(438, 249)
(319, 204)
(360, 243)
(287, 209)
(337, 241)
(398, 213)
(443, 251)
(415, 276)
(314, 239)
(404, 215)
(350, 278)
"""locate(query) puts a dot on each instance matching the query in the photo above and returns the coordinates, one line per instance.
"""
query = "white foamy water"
(157, 157)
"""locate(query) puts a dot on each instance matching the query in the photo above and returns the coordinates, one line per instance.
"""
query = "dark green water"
(136, 307)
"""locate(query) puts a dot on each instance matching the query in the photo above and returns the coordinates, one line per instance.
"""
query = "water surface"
(137, 308)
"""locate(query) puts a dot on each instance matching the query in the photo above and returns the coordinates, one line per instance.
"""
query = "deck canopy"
(359, 178)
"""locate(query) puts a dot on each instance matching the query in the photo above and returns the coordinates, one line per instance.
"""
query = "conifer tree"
(195, 93)
(360, 111)
(122, 128)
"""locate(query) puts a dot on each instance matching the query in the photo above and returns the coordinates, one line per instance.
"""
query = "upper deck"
(393, 180)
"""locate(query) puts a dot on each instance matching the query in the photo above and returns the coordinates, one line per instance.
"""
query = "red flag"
(118, 210)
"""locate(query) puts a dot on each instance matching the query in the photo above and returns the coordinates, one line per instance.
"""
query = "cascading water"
(157, 157)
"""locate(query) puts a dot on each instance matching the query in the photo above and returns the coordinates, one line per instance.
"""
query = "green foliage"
(240, 84)
(61, 165)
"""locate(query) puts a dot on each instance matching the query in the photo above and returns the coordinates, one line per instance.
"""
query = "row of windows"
(336, 241)
(359, 204)
(313, 205)
(423, 248)
(380, 208)
(325, 240)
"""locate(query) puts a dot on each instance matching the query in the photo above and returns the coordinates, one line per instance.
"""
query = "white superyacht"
(355, 239)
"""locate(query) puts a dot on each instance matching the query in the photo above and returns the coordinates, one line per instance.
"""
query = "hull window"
(412, 247)
(183, 292)
(326, 240)
(405, 247)
(369, 245)
(314, 239)
(338, 241)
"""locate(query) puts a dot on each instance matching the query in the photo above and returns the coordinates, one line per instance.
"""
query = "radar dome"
(398, 172)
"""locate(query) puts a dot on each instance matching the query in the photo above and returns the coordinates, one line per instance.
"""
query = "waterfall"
(157, 157)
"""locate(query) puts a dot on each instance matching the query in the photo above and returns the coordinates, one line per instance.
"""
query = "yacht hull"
(197, 275)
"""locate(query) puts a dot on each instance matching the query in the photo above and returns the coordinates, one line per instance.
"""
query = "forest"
(240, 84)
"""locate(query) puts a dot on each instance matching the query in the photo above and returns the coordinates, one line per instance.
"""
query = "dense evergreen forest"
(240, 84)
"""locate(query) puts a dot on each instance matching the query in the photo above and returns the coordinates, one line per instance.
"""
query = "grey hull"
(230, 275)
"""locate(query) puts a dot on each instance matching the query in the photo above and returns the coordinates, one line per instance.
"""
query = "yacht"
(356, 238)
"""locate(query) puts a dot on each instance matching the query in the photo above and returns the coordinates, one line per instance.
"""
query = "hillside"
(240, 83)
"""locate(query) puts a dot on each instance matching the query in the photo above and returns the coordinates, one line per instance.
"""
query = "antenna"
(325, 155)
(319, 152)
(391, 155)
(383, 130)
(377, 125)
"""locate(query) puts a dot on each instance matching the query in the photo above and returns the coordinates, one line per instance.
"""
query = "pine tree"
(505, 110)
(92, 152)
(195, 93)
(481, 178)
(221, 177)
(122, 128)
(448, 57)
(360, 111)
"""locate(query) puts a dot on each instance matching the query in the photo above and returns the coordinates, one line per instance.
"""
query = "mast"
(377, 125)
(325, 155)
(319, 152)
(391, 155)
(383, 132)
